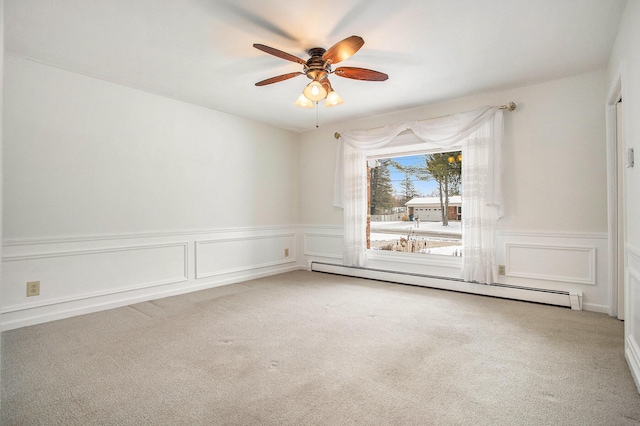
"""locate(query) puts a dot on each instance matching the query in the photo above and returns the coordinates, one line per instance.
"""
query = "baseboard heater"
(506, 291)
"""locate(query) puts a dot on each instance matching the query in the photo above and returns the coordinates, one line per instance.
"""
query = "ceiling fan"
(318, 69)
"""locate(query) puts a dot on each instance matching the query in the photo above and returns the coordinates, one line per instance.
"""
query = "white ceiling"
(200, 51)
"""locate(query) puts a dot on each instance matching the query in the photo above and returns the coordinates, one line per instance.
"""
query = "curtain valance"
(440, 131)
(445, 132)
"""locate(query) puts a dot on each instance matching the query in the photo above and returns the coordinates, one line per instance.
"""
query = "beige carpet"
(314, 349)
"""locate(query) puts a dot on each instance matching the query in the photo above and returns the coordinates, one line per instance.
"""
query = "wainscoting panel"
(569, 263)
(632, 316)
(574, 262)
(226, 255)
(555, 263)
(323, 245)
(83, 274)
(79, 275)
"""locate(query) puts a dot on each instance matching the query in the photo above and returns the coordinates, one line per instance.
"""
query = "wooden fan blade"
(279, 53)
(343, 49)
(360, 74)
(279, 78)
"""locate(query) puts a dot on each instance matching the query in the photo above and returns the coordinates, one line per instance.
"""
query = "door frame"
(614, 204)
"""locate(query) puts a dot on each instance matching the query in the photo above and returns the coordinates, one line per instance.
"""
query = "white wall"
(113, 195)
(554, 156)
(625, 59)
(554, 185)
(87, 157)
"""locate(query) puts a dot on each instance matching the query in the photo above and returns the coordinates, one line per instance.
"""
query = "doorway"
(616, 198)
(620, 166)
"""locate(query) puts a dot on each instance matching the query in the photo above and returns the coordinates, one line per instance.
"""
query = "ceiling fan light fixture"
(318, 69)
(314, 91)
(333, 99)
(303, 102)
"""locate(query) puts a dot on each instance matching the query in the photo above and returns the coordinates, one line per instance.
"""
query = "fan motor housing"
(316, 68)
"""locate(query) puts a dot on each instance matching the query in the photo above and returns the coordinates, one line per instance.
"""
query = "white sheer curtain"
(355, 209)
(481, 129)
(481, 201)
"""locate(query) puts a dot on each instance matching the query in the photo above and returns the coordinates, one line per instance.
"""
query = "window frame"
(423, 259)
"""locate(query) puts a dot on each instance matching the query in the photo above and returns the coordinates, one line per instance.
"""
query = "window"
(478, 133)
(415, 204)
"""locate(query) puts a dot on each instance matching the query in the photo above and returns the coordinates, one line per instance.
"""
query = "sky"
(423, 187)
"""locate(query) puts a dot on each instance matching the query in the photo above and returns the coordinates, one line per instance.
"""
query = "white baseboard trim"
(594, 307)
(82, 306)
(632, 354)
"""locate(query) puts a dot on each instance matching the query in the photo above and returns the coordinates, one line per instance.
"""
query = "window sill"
(435, 260)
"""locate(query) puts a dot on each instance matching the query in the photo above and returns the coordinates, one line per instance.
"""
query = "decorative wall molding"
(631, 324)
(333, 229)
(141, 235)
(195, 260)
(37, 303)
(587, 273)
(632, 355)
(633, 252)
(318, 244)
(583, 261)
(256, 243)
(86, 274)
(554, 235)
(574, 264)
(48, 255)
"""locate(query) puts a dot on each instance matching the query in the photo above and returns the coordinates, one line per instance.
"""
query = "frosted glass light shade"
(303, 102)
(314, 91)
(333, 99)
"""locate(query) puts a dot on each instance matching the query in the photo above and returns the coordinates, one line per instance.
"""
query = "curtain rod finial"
(509, 107)
(336, 135)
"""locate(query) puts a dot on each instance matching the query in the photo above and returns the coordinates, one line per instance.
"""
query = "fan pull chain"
(317, 115)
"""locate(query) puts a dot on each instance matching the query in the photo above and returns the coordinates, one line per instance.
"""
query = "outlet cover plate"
(33, 288)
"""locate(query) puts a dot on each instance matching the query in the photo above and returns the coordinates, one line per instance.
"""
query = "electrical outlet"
(500, 269)
(33, 288)
(286, 252)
